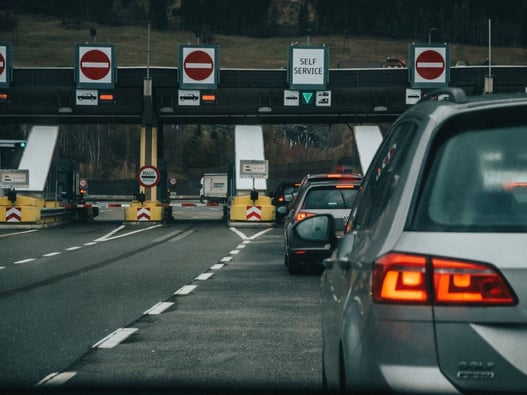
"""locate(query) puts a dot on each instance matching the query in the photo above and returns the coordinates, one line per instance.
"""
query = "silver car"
(427, 291)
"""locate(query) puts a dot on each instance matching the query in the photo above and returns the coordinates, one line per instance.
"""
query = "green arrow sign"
(307, 96)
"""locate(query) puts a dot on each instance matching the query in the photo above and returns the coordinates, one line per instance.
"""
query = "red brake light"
(400, 278)
(281, 199)
(407, 278)
(303, 215)
(467, 282)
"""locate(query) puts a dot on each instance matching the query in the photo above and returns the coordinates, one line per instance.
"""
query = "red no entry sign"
(95, 65)
(430, 65)
(2, 64)
(198, 65)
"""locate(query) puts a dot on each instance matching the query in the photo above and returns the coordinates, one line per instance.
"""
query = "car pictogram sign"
(199, 67)
(95, 67)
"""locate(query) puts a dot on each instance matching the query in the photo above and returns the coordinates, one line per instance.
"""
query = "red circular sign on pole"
(148, 176)
(95, 64)
(198, 65)
(2, 64)
(430, 65)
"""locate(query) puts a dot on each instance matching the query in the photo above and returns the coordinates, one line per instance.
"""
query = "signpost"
(198, 67)
(95, 66)
(430, 66)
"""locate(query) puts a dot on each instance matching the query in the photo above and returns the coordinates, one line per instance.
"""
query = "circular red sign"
(198, 65)
(430, 65)
(2, 64)
(95, 64)
(148, 176)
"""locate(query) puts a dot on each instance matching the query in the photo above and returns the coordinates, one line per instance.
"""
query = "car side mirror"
(319, 228)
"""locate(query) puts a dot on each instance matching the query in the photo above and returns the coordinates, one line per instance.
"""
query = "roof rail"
(453, 94)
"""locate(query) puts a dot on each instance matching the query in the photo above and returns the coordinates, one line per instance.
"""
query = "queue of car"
(426, 290)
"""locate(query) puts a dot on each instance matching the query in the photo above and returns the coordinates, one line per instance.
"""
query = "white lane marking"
(110, 234)
(234, 252)
(255, 236)
(217, 266)
(73, 248)
(52, 254)
(226, 259)
(240, 246)
(2, 267)
(204, 276)
(246, 242)
(115, 338)
(185, 290)
(90, 243)
(18, 233)
(108, 237)
(56, 378)
(158, 308)
(242, 236)
(24, 261)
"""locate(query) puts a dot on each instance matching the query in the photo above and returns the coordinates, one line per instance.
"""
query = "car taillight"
(303, 215)
(408, 278)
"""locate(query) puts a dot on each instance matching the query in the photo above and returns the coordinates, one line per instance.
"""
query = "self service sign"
(308, 67)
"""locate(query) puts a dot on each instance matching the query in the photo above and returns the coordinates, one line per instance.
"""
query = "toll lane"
(55, 307)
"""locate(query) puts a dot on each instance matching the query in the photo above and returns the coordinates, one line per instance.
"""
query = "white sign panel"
(413, 96)
(86, 97)
(430, 66)
(95, 66)
(291, 98)
(253, 168)
(3, 65)
(308, 67)
(198, 66)
(188, 97)
(12, 178)
(323, 99)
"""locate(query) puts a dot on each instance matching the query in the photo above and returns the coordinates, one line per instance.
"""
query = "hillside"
(45, 41)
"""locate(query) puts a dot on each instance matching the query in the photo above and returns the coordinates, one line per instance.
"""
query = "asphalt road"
(192, 304)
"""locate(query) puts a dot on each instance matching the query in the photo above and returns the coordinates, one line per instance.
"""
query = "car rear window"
(329, 197)
(477, 182)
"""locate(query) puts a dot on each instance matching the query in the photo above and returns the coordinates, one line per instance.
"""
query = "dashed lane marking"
(24, 261)
(115, 338)
(185, 290)
(204, 276)
(159, 308)
(51, 254)
(56, 378)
